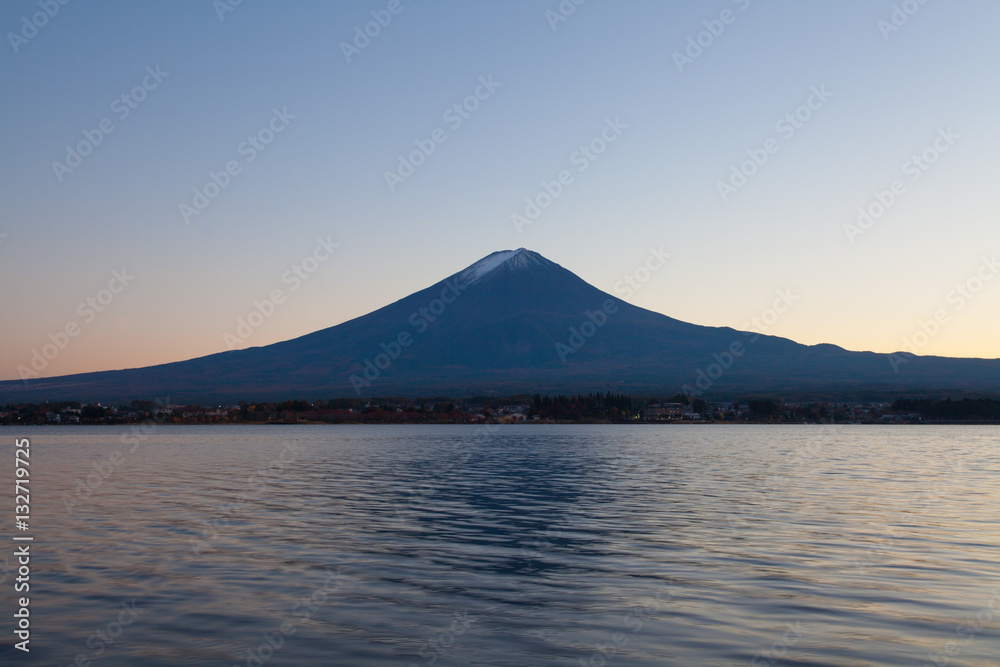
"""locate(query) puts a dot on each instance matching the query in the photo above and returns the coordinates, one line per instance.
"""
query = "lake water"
(510, 545)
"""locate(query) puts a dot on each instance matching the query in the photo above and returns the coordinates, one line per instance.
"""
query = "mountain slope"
(516, 322)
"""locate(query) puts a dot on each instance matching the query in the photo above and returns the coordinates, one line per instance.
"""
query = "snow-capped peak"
(489, 263)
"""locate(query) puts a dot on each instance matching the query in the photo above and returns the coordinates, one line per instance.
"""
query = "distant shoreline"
(536, 409)
(532, 423)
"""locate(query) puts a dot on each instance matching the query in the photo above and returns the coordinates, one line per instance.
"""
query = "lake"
(509, 545)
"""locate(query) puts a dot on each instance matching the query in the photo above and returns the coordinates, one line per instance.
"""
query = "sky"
(168, 168)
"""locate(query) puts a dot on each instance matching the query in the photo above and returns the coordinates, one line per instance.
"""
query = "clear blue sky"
(892, 94)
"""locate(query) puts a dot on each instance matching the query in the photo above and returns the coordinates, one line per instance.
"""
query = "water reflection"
(525, 545)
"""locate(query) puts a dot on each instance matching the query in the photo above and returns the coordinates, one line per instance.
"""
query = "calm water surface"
(517, 545)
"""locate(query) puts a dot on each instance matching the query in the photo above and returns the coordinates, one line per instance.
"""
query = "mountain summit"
(512, 260)
(516, 322)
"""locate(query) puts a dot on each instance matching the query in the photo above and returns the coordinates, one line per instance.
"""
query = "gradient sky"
(323, 175)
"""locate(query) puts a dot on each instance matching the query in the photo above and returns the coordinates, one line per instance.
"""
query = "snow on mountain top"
(489, 263)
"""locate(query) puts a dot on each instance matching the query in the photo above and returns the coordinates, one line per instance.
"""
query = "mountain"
(516, 322)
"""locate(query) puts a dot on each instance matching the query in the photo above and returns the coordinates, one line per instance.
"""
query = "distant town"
(586, 409)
